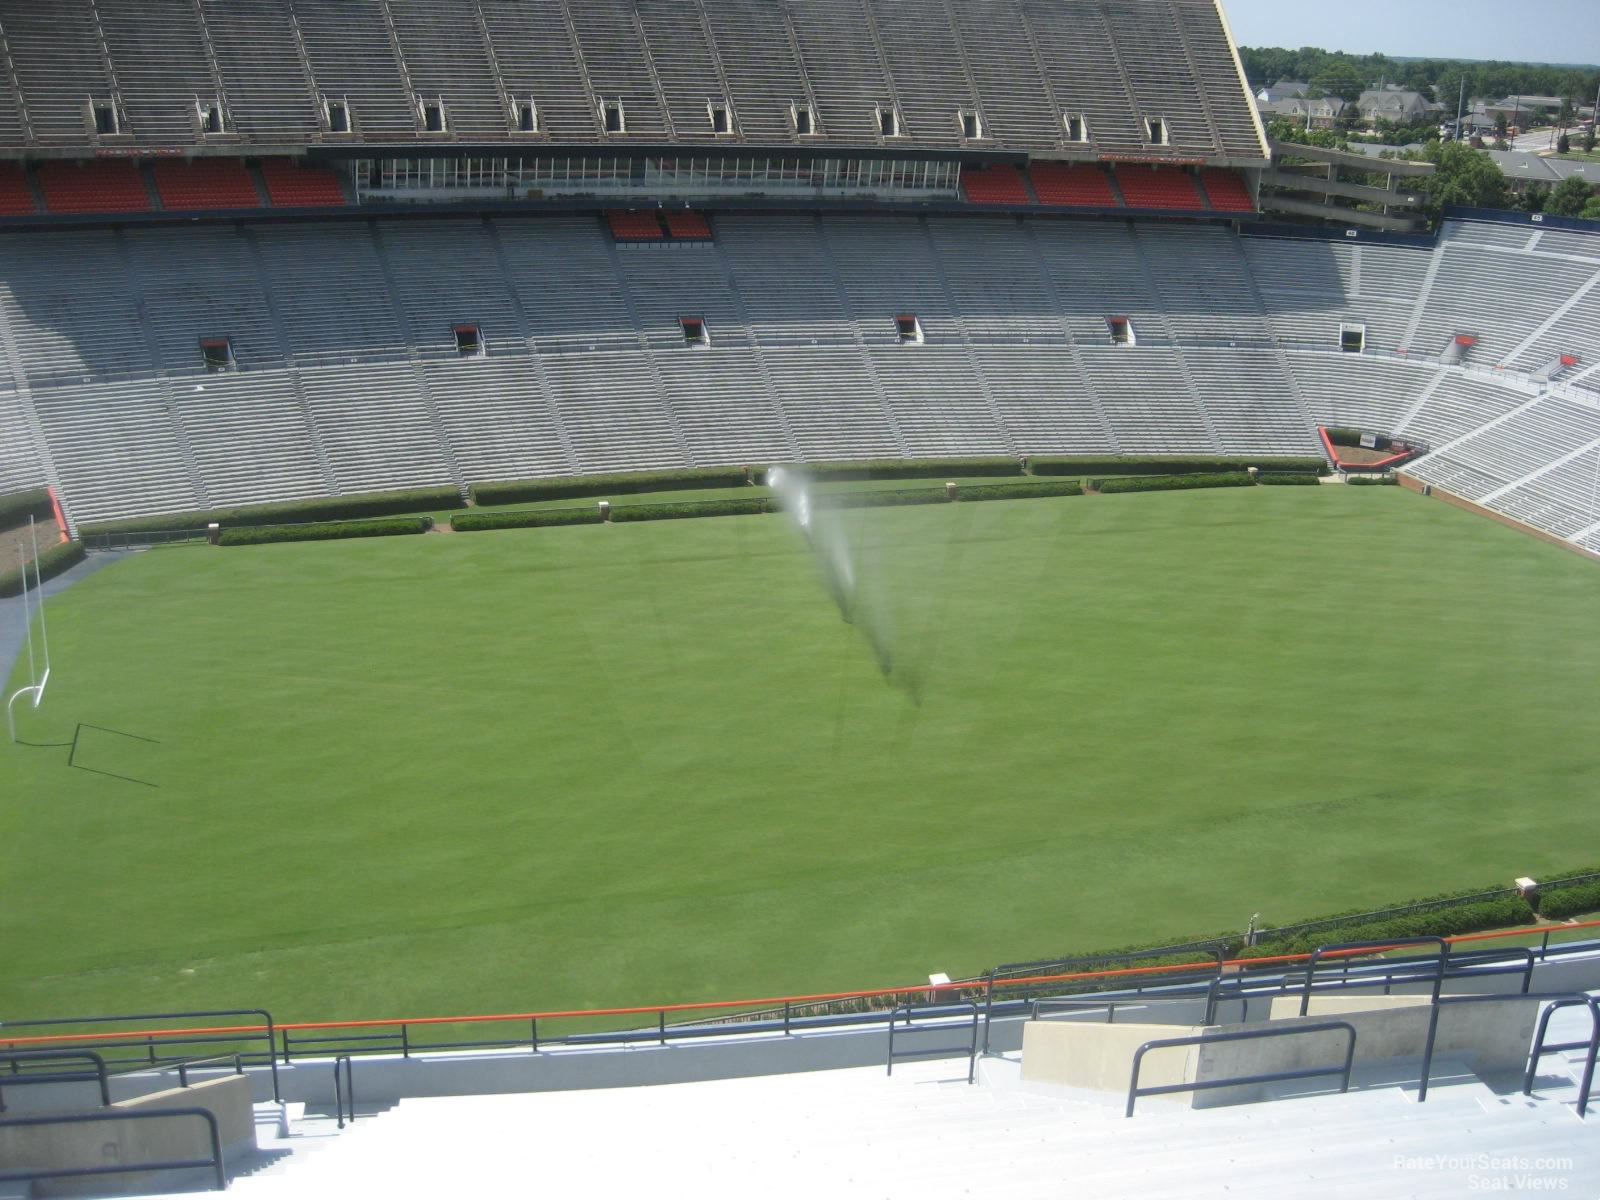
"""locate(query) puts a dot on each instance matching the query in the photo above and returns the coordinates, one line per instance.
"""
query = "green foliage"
(1018, 491)
(1172, 483)
(571, 487)
(16, 508)
(913, 468)
(1534, 197)
(1084, 466)
(1287, 478)
(469, 522)
(1469, 916)
(732, 507)
(1589, 139)
(1591, 210)
(1347, 435)
(1373, 480)
(889, 499)
(1281, 130)
(323, 531)
(51, 563)
(1340, 77)
(1563, 144)
(327, 508)
(1569, 197)
(1561, 903)
(1462, 176)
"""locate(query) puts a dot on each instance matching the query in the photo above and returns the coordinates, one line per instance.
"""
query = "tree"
(1563, 144)
(1340, 78)
(1501, 125)
(1568, 198)
(1568, 111)
(1591, 210)
(1588, 140)
(1462, 176)
(1534, 197)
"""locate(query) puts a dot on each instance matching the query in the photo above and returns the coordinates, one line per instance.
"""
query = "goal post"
(38, 655)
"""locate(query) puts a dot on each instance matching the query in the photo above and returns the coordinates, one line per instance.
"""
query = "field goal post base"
(38, 694)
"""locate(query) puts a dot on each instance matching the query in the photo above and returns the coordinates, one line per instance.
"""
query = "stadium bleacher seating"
(1001, 183)
(16, 198)
(628, 225)
(204, 183)
(1226, 190)
(1076, 184)
(92, 187)
(291, 185)
(686, 225)
(1158, 187)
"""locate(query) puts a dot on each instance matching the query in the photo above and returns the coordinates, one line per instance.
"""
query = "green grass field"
(650, 763)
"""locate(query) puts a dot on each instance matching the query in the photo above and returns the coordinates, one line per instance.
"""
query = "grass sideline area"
(649, 763)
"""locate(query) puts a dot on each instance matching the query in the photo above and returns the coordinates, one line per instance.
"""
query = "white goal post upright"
(36, 681)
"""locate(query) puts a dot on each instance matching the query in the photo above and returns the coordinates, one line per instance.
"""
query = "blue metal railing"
(1345, 949)
(17, 1057)
(939, 1014)
(1539, 1049)
(28, 1174)
(344, 1089)
(1243, 1035)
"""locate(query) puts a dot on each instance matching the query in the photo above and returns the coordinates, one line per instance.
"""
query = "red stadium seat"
(1080, 184)
(290, 185)
(1227, 191)
(999, 184)
(628, 226)
(687, 226)
(205, 183)
(84, 187)
(15, 198)
(1159, 187)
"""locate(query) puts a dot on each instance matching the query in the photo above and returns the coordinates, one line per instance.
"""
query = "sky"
(1559, 31)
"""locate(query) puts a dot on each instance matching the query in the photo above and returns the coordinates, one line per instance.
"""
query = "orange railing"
(768, 1002)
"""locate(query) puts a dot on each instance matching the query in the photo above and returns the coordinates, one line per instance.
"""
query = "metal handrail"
(110, 1039)
(1242, 1035)
(214, 1162)
(943, 1010)
(1347, 949)
(18, 1056)
(1038, 1007)
(344, 1090)
(1561, 1000)
(186, 1064)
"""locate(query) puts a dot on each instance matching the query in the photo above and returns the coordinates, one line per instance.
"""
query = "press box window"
(888, 122)
(721, 123)
(612, 118)
(1121, 331)
(805, 121)
(908, 329)
(217, 354)
(469, 342)
(694, 331)
(1077, 128)
(1352, 338)
(336, 115)
(1155, 130)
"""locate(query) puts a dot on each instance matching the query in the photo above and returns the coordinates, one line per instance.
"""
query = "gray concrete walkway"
(13, 633)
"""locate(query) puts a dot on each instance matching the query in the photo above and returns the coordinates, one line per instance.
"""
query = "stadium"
(728, 581)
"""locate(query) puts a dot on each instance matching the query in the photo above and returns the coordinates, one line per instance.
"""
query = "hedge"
(1561, 903)
(889, 499)
(1467, 917)
(469, 522)
(575, 487)
(731, 507)
(1286, 478)
(1173, 483)
(16, 508)
(51, 563)
(911, 468)
(1150, 464)
(288, 512)
(322, 531)
(1018, 491)
(1372, 480)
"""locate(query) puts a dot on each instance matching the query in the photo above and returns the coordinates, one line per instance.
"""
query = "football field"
(650, 763)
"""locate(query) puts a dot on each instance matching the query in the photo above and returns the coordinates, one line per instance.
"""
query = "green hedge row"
(1151, 464)
(322, 531)
(574, 487)
(16, 508)
(731, 507)
(1372, 480)
(1286, 478)
(1018, 491)
(288, 512)
(912, 468)
(468, 522)
(1561, 903)
(1472, 916)
(1173, 483)
(889, 499)
(1344, 435)
(51, 563)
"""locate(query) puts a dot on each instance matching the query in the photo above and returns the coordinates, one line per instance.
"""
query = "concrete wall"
(127, 1142)
(1101, 1056)
(1491, 1037)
